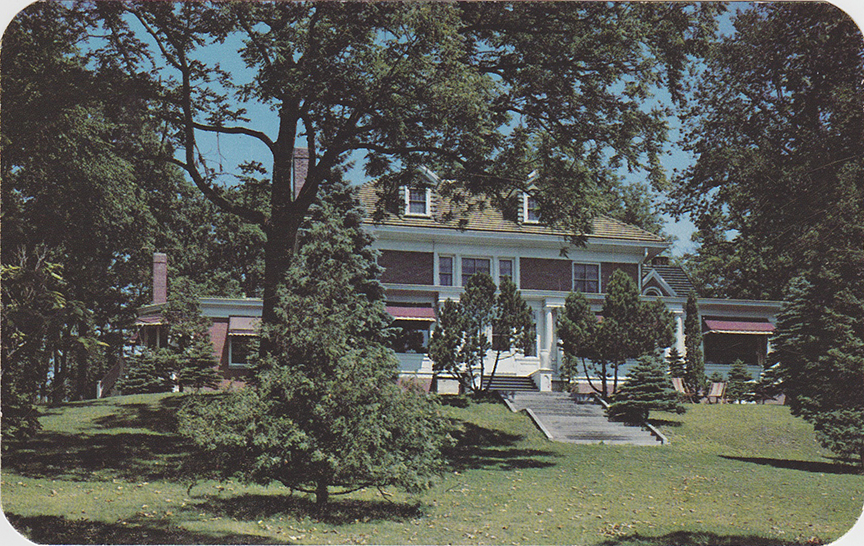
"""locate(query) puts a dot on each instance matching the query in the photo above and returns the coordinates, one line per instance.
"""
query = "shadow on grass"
(160, 418)
(146, 449)
(338, 511)
(698, 539)
(820, 467)
(665, 423)
(60, 530)
(483, 448)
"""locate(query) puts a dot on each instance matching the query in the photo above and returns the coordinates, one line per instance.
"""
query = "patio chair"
(678, 384)
(717, 392)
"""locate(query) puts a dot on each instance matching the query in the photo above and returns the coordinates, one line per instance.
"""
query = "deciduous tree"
(460, 343)
(629, 328)
(775, 125)
(484, 93)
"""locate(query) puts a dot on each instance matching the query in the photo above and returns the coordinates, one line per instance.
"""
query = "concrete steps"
(567, 419)
(510, 383)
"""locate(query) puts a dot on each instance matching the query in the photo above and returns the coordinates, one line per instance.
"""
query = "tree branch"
(237, 131)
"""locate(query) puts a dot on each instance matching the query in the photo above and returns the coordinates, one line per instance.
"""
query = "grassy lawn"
(110, 471)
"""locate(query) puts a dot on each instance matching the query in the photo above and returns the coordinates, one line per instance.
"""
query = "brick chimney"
(301, 168)
(160, 278)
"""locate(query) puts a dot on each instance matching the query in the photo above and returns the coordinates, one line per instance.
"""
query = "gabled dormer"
(530, 212)
(418, 198)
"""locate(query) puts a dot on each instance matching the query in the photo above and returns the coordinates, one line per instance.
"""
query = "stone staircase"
(509, 383)
(564, 419)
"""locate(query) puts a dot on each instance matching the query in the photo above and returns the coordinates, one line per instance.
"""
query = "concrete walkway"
(564, 420)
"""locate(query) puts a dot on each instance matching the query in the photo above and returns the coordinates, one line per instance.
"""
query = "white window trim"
(437, 269)
(462, 280)
(406, 192)
(513, 262)
(652, 291)
(599, 277)
(231, 363)
(525, 196)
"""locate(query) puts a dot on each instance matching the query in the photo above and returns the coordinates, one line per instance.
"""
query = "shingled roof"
(490, 219)
(675, 277)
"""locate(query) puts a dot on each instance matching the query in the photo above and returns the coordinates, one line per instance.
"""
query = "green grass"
(111, 471)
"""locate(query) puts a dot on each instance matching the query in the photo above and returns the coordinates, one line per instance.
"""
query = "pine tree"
(675, 363)
(820, 347)
(770, 383)
(694, 360)
(197, 366)
(324, 413)
(149, 371)
(737, 387)
(647, 388)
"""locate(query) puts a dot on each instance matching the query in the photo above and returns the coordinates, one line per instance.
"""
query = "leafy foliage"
(324, 409)
(197, 365)
(413, 85)
(86, 187)
(187, 360)
(629, 328)
(769, 384)
(647, 388)
(775, 124)
(35, 312)
(460, 343)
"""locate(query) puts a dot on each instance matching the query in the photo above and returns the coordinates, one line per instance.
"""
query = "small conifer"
(736, 387)
(647, 388)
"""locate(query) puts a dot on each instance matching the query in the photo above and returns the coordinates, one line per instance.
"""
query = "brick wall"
(406, 267)
(606, 270)
(545, 274)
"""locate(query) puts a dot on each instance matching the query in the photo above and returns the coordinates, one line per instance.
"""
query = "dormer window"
(530, 209)
(417, 201)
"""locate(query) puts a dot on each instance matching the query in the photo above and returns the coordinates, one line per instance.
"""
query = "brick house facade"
(426, 258)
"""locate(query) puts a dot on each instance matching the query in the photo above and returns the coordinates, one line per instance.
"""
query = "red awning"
(739, 327)
(243, 326)
(149, 320)
(400, 312)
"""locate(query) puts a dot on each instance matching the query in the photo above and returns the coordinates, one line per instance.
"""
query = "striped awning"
(400, 312)
(739, 327)
(149, 320)
(243, 326)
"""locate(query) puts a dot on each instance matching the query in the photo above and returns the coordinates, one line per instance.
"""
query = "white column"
(679, 332)
(548, 337)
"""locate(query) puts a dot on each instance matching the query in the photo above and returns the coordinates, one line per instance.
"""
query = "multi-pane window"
(586, 278)
(239, 350)
(445, 271)
(505, 269)
(417, 202)
(470, 266)
(532, 209)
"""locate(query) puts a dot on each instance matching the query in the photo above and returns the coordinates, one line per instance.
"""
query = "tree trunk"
(322, 493)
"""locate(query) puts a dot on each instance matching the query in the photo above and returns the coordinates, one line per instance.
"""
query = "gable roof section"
(491, 219)
(674, 276)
